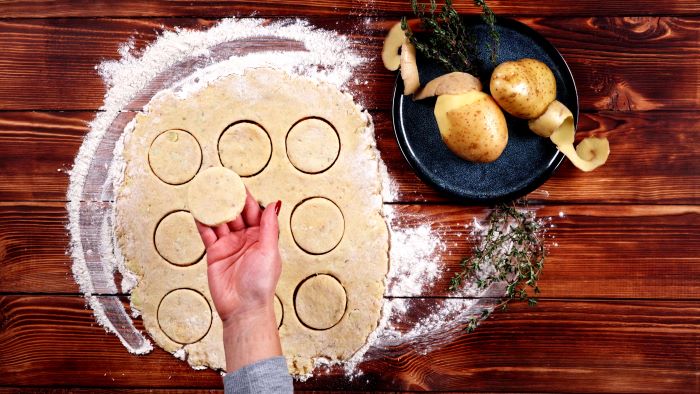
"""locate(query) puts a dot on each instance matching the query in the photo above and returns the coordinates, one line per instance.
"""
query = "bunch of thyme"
(512, 252)
(449, 42)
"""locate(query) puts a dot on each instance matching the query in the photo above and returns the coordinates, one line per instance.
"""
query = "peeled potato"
(523, 88)
(472, 126)
(452, 83)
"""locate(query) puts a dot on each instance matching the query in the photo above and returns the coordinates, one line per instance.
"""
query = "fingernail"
(278, 205)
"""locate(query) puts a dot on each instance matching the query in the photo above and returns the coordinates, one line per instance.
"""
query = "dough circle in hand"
(245, 148)
(312, 145)
(216, 195)
(177, 239)
(317, 225)
(184, 315)
(279, 314)
(320, 302)
(175, 156)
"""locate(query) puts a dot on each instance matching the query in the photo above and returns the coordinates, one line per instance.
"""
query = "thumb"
(269, 227)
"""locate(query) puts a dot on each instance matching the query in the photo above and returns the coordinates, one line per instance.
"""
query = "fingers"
(237, 224)
(269, 227)
(221, 230)
(251, 211)
(206, 233)
(226, 247)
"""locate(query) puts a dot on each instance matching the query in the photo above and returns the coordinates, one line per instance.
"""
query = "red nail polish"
(278, 205)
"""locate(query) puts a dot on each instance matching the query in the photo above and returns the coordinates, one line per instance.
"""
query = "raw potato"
(452, 83)
(472, 125)
(390, 52)
(523, 88)
(409, 69)
(557, 123)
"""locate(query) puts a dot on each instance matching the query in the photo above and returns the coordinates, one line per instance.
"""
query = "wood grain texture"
(603, 251)
(595, 346)
(627, 64)
(135, 8)
(37, 149)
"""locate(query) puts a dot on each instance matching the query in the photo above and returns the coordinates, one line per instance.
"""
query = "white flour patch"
(414, 256)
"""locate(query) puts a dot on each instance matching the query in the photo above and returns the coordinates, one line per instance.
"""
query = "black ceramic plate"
(526, 162)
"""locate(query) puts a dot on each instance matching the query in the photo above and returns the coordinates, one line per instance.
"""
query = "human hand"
(243, 261)
(243, 267)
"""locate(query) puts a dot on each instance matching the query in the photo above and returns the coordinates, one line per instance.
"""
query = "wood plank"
(37, 149)
(49, 64)
(604, 251)
(225, 8)
(571, 346)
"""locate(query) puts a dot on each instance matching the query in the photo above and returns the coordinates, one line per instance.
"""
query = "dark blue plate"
(527, 161)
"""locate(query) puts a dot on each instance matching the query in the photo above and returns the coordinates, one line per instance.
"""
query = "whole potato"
(472, 126)
(523, 88)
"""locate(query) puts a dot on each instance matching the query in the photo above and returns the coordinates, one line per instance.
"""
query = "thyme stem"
(512, 252)
(449, 43)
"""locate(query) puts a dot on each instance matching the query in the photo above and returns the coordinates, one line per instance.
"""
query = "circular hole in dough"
(279, 311)
(177, 239)
(245, 147)
(320, 302)
(216, 195)
(175, 156)
(184, 315)
(312, 145)
(317, 225)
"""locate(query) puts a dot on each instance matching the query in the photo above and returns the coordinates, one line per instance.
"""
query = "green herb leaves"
(448, 42)
(510, 251)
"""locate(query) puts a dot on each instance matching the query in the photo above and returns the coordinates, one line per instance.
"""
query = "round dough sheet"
(334, 250)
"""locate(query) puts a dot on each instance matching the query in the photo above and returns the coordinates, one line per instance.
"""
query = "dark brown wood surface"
(621, 290)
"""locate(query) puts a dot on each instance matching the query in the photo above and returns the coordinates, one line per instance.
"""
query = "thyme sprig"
(512, 252)
(449, 42)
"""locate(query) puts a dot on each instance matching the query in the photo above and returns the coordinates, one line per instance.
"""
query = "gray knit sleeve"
(265, 376)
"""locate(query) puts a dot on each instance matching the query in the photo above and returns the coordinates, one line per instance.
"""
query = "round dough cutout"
(216, 195)
(279, 312)
(175, 156)
(245, 148)
(312, 145)
(317, 225)
(184, 315)
(177, 239)
(320, 302)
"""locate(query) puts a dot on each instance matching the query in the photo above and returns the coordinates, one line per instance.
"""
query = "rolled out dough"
(334, 246)
(175, 156)
(215, 196)
(312, 145)
(245, 148)
(320, 302)
(317, 225)
(177, 239)
(184, 316)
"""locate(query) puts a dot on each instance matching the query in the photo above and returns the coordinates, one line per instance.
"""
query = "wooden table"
(620, 310)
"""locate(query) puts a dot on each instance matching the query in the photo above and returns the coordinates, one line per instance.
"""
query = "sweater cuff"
(265, 376)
